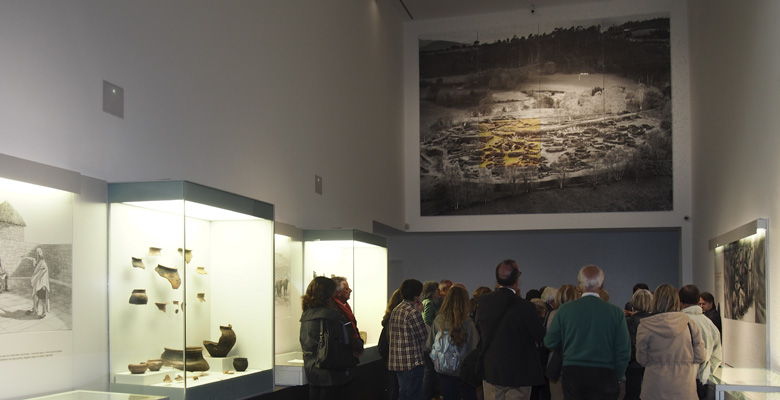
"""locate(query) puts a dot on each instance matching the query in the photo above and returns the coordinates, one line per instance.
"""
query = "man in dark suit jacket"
(511, 329)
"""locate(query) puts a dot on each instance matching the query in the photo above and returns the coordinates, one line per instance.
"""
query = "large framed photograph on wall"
(565, 117)
(741, 291)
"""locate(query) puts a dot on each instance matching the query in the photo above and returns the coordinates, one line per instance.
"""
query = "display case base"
(288, 370)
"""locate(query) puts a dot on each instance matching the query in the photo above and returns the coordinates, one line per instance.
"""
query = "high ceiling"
(430, 9)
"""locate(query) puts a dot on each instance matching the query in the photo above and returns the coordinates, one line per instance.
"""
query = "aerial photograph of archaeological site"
(555, 118)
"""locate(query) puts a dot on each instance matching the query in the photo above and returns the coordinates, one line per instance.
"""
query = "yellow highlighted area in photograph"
(511, 142)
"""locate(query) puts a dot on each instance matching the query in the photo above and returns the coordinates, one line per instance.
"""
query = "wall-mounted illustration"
(549, 118)
(741, 291)
(36, 267)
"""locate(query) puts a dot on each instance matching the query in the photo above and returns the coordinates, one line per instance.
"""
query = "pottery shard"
(187, 253)
(171, 274)
(138, 263)
(155, 251)
(167, 379)
(161, 306)
(201, 270)
(202, 297)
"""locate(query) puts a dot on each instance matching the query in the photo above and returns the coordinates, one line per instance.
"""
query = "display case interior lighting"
(192, 209)
(11, 185)
(752, 228)
(344, 243)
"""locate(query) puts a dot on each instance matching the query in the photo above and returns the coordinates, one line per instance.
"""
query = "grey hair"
(548, 295)
(590, 282)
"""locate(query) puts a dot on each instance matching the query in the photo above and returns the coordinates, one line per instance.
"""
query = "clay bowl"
(139, 297)
(194, 359)
(154, 365)
(240, 364)
(137, 368)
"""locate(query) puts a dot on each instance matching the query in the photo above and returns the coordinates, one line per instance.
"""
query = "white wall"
(734, 96)
(680, 132)
(253, 97)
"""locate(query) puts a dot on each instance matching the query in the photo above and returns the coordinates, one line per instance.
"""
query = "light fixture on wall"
(754, 227)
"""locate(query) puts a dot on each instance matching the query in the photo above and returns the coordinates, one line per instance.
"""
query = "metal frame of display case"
(236, 386)
(744, 380)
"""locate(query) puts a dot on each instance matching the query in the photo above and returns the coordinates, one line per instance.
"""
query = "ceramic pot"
(226, 342)
(137, 368)
(240, 364)
(154, 365)
(171, 274)
(191, 359)
(139, 297)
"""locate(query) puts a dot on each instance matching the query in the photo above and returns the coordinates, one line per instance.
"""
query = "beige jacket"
(713, 353)
(670, 347)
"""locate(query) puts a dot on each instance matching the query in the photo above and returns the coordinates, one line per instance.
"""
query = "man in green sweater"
(595, 342)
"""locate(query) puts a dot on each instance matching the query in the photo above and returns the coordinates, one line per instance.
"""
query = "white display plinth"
(220, 363)
(204, 378)
(147, 378)
(745, 380)
(90, 395)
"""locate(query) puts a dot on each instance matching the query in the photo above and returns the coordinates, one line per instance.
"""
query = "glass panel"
(328, 258)
(146, 294)
(369, 290)
(288, 289)
(36, 281)
(228, 295)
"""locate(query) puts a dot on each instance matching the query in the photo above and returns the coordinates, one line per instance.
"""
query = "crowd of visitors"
(437, 342)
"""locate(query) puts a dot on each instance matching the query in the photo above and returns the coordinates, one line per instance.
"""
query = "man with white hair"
(594, 338)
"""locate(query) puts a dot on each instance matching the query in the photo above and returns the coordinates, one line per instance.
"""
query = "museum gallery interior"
(174, 174)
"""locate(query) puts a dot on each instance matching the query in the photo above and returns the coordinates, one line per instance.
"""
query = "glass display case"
(361, 258)
(288, 289)
(189, 291)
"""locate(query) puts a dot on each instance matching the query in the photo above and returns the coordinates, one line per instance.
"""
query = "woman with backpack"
(325, 339)
(452, 337)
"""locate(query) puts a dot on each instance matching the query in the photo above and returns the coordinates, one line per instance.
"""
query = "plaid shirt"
(407, 337)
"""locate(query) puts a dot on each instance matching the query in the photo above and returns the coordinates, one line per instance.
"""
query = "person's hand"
(621, 390)
(418, 305)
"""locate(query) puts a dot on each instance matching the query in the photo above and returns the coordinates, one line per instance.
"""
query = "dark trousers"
(328, 392)
(391, 386)
(634, 383)
(589, 383)
(454, 388)
(410, 385)
(430, 379)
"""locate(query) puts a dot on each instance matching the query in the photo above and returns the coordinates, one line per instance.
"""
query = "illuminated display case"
(361, 258)
(189, 292)
(288, 289)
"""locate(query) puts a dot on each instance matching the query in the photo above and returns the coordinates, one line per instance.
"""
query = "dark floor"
(368, 384)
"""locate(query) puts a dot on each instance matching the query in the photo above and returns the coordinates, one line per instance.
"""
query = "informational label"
(27, 356)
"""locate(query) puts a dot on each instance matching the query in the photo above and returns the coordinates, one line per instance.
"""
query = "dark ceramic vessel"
(240, 364)
(139, 297)
(137, 368)
(226, 342)
(194, 359)
(154, 365)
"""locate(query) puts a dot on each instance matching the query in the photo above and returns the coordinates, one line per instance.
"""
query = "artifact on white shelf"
(139, 297)
(228, 372)
(240, 364)
(189, 360)
(171, 274)
(226, 342)
(202, 297)
(179, 378)
(138, 263)
(137, 369)
(155, 251)
(154, 365)
(161, 306)
(187, 255)
(201, 270)
(167, 379)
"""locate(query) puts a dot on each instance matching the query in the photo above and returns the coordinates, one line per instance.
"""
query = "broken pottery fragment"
(187, 255)
(226, 342)
(171, 274)
(161, 306)
(202, 297)
(138, 263)
(155, 251)
(139, 297)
